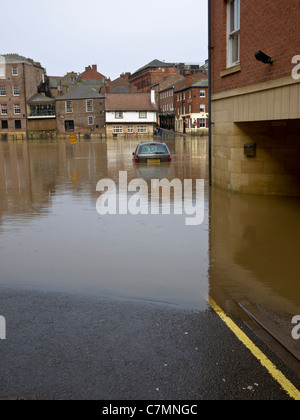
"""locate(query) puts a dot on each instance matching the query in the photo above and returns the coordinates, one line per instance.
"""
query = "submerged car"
(152, 152)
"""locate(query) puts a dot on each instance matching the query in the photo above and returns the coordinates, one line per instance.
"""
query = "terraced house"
(191, 105)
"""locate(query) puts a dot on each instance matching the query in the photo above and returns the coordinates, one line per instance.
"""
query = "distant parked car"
(152, 152)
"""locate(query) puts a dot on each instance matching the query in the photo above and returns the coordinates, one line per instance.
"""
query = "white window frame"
(130, 129)
(142, 129)
(16, 90)
(17, 109)
(233, 32)
(2, 90)
(69, 107)
(202, 93)
(89, 105)
(91, 120)
(14, 73)
(3, 108)
(143, 115)
(202, 108)
(202, 123)
(119, 115)
(118, 129)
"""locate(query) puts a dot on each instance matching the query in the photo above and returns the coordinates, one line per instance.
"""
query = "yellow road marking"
(275, 373)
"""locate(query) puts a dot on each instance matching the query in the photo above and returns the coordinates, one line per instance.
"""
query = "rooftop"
(129, 102)
(80, 92)
(155, 63)
(16, 58)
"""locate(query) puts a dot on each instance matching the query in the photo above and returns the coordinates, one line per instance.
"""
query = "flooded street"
(52, 238)
(119, 306)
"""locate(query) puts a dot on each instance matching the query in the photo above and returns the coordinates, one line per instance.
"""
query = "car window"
(153, 149)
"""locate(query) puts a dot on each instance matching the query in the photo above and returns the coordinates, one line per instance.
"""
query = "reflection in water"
(51, 235)
(254, 247)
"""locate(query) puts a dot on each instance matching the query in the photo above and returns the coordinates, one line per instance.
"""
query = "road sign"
(73, 138)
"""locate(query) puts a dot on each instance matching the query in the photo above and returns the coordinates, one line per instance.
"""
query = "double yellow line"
(274, 372)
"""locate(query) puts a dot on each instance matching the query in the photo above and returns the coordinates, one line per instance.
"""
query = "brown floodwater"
(52, 237)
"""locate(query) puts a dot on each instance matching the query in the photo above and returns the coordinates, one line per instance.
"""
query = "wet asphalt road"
(79, 347)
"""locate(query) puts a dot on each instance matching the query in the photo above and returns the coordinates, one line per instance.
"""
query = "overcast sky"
(118, 35)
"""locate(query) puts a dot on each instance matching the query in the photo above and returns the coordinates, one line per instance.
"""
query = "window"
(130, 129)
(159, 149)
(233, 25)
(2, 90)
(142, 129)
(18, 124)
(69, 107)
(16, 90)
(202, 108)
(119, 115)
(4, 124)
(202, 93)
(118, 129)
(91, 120)
(17, 109)
(89, 105)
(142, 114)
(14, 70)
(3, 109)
(69, 126)
(202, 123)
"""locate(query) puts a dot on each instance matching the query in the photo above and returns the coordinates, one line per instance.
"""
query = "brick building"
(91, 73)
(255, 101)
(166, 101)
(130, 114)
(191, 104)
(20, 79)
(80, 111)
(119, 85)
(151, 74)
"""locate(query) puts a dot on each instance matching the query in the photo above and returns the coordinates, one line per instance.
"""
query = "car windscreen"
(153, 149)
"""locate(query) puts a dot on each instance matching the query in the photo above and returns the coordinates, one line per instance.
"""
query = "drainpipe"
(209, 95)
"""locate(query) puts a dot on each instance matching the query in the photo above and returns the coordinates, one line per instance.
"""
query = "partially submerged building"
(130, 114)
(80, 111)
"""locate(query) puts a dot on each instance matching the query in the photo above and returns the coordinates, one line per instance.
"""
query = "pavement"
(65, 346)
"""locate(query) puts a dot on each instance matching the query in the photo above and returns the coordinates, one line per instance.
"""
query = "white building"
(130, 113)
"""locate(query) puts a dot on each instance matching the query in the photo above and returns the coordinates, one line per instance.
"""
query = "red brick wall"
(268, 25)
(91, 73)
(145, 79)
(195, 100)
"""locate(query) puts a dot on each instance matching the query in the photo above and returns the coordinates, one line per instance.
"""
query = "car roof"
(151, 142)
